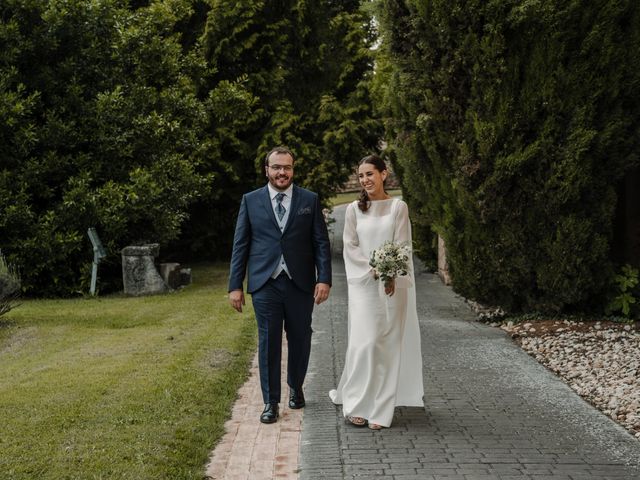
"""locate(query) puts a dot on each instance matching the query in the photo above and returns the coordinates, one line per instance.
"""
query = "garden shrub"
(624, 297)
(103, 129)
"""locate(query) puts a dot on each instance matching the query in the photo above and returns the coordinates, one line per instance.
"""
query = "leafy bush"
(281, 73)
(102, 127)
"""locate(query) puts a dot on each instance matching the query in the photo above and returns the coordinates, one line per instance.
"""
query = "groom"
(281, 236)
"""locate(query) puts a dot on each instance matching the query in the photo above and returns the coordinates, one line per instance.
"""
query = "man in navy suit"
(281, 238)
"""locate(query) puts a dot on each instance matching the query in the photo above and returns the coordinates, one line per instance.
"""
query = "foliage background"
(510, 123)
(288, 72)
(514, 122)
(148, 120)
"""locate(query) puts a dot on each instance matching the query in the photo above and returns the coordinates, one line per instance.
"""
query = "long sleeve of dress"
(402, 234)
(356, 262)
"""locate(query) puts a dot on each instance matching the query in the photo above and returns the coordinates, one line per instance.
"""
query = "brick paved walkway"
(491, 411)
(251, 450)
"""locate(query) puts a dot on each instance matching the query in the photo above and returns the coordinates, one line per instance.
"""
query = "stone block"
(170, 273)
(185, 276)
(139, 273)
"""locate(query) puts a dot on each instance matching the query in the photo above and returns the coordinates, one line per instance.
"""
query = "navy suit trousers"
(280, 303)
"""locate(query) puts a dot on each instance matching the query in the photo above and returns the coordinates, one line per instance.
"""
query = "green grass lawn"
(348, 197)
(118, 387)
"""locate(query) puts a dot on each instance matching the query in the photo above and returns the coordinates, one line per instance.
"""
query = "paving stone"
(419, 476)
(479, 476)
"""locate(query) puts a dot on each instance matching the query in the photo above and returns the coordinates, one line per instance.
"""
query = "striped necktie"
(279, 207)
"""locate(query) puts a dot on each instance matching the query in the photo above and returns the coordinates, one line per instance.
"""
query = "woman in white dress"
(383, 364)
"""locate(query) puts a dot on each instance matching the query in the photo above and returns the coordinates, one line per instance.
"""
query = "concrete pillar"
(443, 266)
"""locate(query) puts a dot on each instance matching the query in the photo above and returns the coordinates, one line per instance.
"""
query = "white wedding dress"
(383, 364)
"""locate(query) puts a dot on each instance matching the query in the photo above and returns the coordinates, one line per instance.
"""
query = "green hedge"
(513, 122)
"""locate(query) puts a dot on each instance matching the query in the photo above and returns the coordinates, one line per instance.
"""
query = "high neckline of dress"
(382, 200)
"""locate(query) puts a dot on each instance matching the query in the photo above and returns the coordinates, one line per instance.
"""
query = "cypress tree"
(303, 69)
(514, 122)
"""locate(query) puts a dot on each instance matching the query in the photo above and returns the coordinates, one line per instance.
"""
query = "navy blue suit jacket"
(258, 242)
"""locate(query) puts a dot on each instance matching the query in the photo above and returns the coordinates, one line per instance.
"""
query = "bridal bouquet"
(389, 261)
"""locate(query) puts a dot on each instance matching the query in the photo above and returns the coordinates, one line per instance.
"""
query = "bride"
(383, 364)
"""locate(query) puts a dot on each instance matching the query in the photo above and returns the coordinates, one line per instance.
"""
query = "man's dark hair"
(281, 150)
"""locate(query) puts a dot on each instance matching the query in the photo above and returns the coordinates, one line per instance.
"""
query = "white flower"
(390, 260)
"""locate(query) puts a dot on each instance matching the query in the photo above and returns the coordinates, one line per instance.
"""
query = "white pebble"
(602, 366)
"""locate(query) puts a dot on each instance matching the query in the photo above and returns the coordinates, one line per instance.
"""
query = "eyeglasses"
(284, 168)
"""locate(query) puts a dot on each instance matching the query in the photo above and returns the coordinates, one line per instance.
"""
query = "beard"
(280, 182)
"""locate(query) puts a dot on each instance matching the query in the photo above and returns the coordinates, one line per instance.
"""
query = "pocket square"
(304, 211)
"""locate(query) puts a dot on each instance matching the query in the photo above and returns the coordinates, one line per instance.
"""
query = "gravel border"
(600, 361)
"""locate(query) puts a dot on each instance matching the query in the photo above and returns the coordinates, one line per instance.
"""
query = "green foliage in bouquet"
(389, 261)
(513, 123)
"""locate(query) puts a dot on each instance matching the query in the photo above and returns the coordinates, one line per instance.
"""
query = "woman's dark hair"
(363, 201)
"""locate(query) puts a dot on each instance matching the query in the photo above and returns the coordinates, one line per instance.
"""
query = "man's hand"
(321, 293)
(236, 298)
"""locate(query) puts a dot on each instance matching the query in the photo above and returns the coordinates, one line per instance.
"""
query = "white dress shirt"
(286, 203)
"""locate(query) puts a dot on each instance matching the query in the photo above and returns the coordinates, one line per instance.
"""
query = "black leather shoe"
(296, 399)
(270, 413)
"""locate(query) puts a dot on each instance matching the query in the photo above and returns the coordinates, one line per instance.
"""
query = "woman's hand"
(390, 287)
